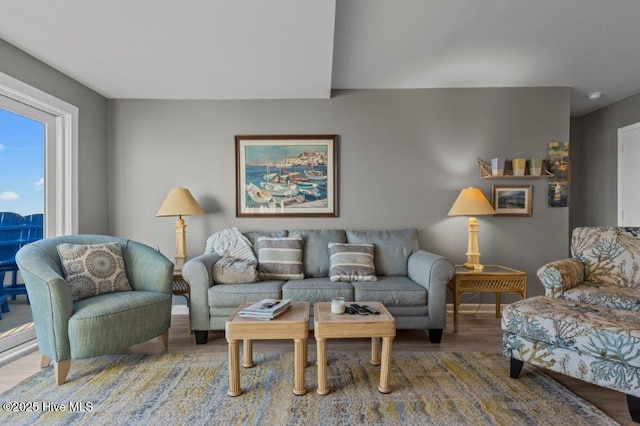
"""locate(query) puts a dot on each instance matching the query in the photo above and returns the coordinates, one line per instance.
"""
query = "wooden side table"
(180, 287)
(492, 279)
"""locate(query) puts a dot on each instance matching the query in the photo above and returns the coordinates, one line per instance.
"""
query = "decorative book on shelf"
(487, 173)
(266, 309)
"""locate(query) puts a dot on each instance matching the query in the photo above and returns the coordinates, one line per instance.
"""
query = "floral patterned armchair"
(604, 269)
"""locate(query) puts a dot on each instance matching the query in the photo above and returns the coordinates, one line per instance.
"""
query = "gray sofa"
(412, 283)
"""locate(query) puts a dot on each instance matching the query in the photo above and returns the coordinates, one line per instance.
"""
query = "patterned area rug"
(427, 389)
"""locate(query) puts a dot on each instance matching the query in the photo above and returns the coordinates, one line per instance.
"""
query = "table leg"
(456, 302)
(385, 369)
(247, 353)
(234, 368)
(375, 351)
(321, 345)
(498, 313)
(300, 362)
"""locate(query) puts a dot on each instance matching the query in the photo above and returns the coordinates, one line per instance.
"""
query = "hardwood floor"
(479, 332)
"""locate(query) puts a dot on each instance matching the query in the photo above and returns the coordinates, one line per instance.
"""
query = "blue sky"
(21, 164)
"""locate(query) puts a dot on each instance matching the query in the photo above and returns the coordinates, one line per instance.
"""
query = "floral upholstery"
(609, 295)
(591, 343)
(560, 276)
(604, 268)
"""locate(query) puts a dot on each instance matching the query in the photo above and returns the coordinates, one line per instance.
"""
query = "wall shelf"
(485, 171)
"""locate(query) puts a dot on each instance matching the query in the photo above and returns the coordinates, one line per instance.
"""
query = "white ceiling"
(278, 49)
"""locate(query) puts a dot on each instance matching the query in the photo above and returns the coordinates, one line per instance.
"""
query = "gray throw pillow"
(94, 269)
(280, 258)
(352, 262)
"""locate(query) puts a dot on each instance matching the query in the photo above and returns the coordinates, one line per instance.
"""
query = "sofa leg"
(516, 368)
(164, 339)
(45, 361)
(435, 335)
(201, 336)
(61, 370)
(633, 402)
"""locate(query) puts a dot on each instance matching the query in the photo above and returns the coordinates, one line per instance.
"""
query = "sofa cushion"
(233, 295)
(391, 291)
(316, 290)
(588, 329)
(254, 235)
(609, 295)
(105, 323)
(229, 270)
(351, 262)
(392, 248)
(280, 258)
(315, 252)
(611, 255)
(93, 269)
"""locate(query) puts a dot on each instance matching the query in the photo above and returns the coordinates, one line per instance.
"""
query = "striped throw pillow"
(280, 258)
(351, 262)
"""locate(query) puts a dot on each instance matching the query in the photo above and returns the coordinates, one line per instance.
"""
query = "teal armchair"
(100, 324)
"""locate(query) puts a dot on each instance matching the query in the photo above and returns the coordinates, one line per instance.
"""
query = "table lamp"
(472, 202)
(180, 203)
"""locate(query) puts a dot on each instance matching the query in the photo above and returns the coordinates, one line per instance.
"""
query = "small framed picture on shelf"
(512, 200)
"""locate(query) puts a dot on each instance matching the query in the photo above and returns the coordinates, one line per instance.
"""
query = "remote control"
(359, 309)
(350, 310)
(371, 310)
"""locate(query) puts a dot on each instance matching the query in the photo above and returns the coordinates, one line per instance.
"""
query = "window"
(60, 178)
(61, 169)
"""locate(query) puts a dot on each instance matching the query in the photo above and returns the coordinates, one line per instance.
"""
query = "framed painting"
(512, 200)
(287, 176)
(558, 191)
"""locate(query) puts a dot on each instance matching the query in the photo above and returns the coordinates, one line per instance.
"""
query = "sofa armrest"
(561, 275)
(50, 299)
(433, 272)
(198, 272)
(147, 268)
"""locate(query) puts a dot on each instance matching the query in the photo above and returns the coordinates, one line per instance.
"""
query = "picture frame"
(286, 175)
(512, 200)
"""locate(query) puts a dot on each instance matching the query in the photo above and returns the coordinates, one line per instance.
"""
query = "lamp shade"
(471, 202)
(179, 202)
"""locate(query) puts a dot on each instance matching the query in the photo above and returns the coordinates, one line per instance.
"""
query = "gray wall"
(596, 201)
(92, 138)
(404, 156)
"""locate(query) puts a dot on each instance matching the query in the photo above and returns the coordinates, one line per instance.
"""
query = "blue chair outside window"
(15, 232)
(11, 226)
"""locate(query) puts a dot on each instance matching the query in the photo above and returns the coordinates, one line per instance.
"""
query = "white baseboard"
(179, 310)
(464, 307)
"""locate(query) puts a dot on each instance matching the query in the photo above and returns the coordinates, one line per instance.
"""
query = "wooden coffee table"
(293, 324)
(334, 326)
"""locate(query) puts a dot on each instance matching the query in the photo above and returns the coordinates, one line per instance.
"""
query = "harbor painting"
(512, 200)
(286, 175)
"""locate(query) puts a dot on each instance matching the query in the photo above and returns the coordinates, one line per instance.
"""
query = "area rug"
(427, 389)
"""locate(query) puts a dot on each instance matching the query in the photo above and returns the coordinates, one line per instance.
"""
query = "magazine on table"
(266, 309)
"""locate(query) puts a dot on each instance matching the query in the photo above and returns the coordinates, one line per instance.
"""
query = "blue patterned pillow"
(352, 262)
(280, 258)
(91, 270)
